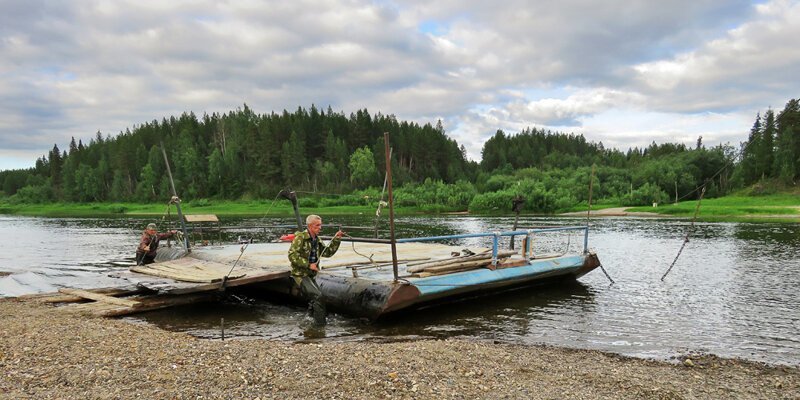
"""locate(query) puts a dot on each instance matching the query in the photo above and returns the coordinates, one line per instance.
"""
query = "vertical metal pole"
(588, 212)
(378, 211)
(514, 228)
(529, 244)
(495, 247)
(177, 203)
(391, 203)
(586, 240)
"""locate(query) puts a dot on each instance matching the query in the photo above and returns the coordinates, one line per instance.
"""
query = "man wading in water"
(304, 255)
(146, 252)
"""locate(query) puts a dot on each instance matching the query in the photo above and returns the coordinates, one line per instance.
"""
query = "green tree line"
(772, 150)
(244, 155)
(241, 155)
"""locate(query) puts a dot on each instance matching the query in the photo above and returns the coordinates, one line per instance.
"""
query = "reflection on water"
(732, 292)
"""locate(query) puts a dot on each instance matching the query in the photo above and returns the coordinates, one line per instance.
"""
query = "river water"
(732, 292)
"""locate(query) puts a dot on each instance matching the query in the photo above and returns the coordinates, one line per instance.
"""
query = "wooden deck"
(201, 276)
(160, 285)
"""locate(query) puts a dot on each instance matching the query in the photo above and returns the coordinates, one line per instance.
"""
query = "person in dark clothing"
(148, 245)
(304, 254)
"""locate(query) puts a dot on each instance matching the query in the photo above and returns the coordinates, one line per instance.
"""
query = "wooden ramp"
(113, 302)
(193, 275)
(164, 284)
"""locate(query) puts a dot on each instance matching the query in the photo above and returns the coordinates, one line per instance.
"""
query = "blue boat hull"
(374, 299)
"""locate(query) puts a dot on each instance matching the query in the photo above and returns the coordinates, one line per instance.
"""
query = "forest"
(338, 159)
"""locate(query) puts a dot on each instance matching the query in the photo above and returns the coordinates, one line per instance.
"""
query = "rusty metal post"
(391, 203)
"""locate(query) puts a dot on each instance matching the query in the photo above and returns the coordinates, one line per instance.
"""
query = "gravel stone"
(46, 353)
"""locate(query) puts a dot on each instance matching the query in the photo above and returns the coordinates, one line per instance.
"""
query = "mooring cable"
(688, 232)
(243, 248)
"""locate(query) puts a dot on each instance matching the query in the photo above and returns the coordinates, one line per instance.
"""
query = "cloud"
(71, 70)
(752, 65)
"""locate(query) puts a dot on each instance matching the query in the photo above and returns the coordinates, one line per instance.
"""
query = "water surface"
(732, 292)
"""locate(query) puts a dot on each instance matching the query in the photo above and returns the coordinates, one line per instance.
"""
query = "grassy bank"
(281, 208)
(776, 206)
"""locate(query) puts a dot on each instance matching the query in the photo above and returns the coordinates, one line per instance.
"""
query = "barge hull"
(374, 299)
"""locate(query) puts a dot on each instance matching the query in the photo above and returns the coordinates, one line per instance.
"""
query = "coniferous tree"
(789, 120)
(749, 164)
(56, 164)
(766, 148)
(784, 165)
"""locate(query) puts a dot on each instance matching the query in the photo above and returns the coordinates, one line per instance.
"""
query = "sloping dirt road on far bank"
(614, 212)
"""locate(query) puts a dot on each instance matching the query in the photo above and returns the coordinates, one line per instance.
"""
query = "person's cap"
(151, 226)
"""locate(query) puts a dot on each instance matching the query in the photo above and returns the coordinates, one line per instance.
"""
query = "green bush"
(117, 209)
(500, 201)
(435, 192)
(645, 195)
(308, 202)
(199, 203)
(32, 194)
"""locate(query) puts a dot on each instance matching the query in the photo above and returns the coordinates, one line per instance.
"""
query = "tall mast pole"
(176, 200)
(391, 203)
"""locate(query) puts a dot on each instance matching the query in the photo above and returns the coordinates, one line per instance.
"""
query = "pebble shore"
(46, 353)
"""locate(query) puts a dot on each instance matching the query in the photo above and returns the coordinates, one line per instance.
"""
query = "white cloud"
(752, 65)
(70, 69)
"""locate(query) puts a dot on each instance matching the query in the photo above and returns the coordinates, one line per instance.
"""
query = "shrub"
(117, 209)
(32, 194)
(645, 195)
(200, 203)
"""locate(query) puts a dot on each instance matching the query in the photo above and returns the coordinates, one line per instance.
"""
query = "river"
(732, 292)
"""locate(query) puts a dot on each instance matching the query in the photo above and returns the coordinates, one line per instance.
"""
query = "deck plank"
(189, 269)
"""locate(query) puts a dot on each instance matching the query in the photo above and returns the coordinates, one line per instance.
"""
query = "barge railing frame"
(496, 238)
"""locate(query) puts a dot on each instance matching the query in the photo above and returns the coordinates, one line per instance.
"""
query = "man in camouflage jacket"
(304, 254)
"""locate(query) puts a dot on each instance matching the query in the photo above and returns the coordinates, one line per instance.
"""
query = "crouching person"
(148, 245)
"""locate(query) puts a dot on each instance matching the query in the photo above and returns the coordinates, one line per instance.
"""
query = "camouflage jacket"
(300, 251)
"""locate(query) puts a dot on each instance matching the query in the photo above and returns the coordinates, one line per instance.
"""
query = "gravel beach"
(46, 353)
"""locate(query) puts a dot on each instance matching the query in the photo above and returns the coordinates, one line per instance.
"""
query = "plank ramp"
(145, 303)
(193, 275)
(99, 297)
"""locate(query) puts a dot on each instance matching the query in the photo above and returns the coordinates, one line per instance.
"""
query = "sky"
(621, 72)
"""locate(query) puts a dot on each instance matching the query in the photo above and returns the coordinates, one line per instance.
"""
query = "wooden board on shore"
(99, 297)
(144, 303)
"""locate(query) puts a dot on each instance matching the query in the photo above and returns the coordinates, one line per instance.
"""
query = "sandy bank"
(614, 212)
(46, 353)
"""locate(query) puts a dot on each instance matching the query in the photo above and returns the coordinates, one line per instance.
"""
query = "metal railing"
(528, 233)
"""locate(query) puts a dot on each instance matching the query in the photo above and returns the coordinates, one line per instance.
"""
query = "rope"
(688, 232)
(322, 194)
(225, 278)
(607, 275)
(362, 255)
(727, 164)
(270, 208)
(243, 248)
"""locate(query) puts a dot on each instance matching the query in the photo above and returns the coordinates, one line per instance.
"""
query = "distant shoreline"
(771, 208)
